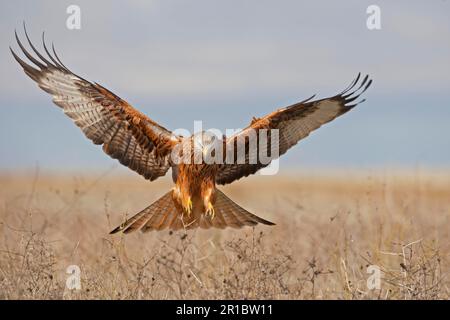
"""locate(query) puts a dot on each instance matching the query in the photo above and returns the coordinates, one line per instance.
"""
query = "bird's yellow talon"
(188, 206)
(210, 210)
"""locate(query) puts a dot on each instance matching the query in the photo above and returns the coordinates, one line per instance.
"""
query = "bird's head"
(205, 141)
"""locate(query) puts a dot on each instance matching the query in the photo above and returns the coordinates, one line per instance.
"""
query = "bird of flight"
(151, 150)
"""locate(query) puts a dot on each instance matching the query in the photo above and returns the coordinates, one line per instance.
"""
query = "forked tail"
(165, 213)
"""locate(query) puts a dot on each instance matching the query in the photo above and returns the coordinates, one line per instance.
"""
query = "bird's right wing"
(125, 133)
(293, 123)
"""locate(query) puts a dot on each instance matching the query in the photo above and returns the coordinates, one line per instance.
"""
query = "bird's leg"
(184, 198)
(209, 208)
(187, 205)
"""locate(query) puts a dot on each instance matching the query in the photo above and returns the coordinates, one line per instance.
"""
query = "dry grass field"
(330, 228)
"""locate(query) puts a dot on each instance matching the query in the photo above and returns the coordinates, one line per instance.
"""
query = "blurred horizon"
(225, 62)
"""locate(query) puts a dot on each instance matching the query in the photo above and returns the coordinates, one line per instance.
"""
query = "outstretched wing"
(125, 133)
(293, 124)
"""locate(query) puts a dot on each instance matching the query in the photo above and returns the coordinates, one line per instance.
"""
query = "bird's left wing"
(125, 133)
(293, 124)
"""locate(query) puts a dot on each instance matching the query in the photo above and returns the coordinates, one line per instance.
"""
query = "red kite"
(146, 147)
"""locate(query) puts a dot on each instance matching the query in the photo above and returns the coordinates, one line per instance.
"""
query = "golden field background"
(330, 228)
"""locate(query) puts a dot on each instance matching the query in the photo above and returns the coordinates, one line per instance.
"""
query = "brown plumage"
(149, 149)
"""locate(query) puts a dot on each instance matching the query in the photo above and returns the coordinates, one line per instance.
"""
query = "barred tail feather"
(166, 214)
(158, 216)
(233, 215)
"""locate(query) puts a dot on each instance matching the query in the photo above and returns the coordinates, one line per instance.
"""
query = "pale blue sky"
(225, 61)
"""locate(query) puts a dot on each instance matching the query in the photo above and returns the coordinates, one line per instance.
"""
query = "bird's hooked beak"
(199, 146)
(205, 151)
